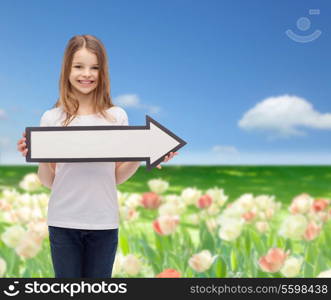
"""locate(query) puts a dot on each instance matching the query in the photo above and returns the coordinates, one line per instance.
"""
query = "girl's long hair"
(101, 95)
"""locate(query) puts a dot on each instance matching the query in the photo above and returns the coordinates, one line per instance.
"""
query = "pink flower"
(249, 215)
(312, 231)
(273, 261)
(204, 201)
(151, 200)
(169, 273)
(320, 204)
(165, 225)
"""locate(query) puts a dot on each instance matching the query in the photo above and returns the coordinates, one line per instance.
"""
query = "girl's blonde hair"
(101, 95)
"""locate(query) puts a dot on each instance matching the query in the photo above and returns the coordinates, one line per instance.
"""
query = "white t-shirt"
(84, 195)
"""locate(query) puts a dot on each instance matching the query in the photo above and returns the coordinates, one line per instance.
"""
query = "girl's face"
(84, 71)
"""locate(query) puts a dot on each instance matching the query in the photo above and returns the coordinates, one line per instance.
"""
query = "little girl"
(83, 213)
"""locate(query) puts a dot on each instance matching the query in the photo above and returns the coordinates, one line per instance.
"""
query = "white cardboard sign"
(150, 143)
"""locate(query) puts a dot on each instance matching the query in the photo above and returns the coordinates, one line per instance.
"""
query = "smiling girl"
(83, 213)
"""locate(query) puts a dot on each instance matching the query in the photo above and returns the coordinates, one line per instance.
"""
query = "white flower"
(211, 224)
(43, 199)
(24, 214)
(318, 217)
(38, 227)
(217, 195)
(173, 198)
(193, 218)
(191, 195)
(246, 201)
(5, 206)
(294, 227)
(170, 209)
(34, 201)
(36, 214)
(264, 202)
(262, 216)
(121, 197)
(9, 216)
(262, 226)
(158, 186)
(10, 195)
(230, 229)
(213, 209)
(128, 213)
(133, 200)
(201, 261)
(131, 265)
(325, 274)
(30, 182)
(234, 211)
(3, 267)
(166, 224)
(13, 235)
(301, 204)
(292, 266)
(23, 200)
(118, 264)
(29, 245)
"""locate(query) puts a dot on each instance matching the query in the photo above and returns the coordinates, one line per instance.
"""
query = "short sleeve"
(124, 118)
(44, 121)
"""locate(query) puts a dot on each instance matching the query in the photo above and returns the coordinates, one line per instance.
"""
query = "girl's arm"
(46, 171)
(124, 170)
(46, 174)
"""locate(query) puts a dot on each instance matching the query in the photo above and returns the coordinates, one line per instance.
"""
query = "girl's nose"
(86, 71)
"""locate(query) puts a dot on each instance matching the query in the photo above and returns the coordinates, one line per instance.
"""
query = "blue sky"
(221, 74)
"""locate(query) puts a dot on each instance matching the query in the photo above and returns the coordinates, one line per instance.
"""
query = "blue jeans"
(82, 253)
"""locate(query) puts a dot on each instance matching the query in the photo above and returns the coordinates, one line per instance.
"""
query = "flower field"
(188, 222)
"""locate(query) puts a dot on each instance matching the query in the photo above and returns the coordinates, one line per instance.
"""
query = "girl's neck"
(85, 104)
(85, 110)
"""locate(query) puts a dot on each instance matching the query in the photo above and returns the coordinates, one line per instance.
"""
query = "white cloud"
(283, 115)
(225, 149)
(133, 101)
(127, 100)
(2, 114)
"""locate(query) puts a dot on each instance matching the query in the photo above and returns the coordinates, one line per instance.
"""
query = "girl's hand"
(21, 145)
(168, 157)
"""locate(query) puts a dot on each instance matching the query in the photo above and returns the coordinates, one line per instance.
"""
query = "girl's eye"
(93, 67)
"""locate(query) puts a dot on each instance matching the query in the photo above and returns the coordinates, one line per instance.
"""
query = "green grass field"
(235, 258)
(284, 182)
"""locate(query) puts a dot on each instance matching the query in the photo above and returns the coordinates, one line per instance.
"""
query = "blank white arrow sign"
(150, 143)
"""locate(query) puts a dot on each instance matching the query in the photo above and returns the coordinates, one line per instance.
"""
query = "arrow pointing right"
(157, 143)
(150, 143)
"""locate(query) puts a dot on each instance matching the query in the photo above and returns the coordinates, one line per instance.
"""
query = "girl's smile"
(86, 82)
(84, 72)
